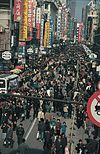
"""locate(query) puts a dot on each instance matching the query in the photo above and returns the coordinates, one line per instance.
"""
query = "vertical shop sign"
(38, 21)
(30, 18)
(17, 10)
(51, 31)
(34, 16)
(41, 37)
(45, 36)
(48, 32)
(34, 13)
(24, 22)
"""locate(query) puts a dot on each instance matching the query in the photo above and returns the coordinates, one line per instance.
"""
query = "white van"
(8, 83)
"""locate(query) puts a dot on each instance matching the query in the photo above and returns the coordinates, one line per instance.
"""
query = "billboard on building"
(45, 35)
(48, 32)
(38, 21)
(59, 24)
(24, 22)
(17, 10)
(34, 13)
(34, 16)
(80, 32)
(30, 19)
(41, 36)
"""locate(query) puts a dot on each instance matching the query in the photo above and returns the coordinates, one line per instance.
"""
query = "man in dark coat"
(20, 132)
(58, 145)
(63, 142)
(9, 136)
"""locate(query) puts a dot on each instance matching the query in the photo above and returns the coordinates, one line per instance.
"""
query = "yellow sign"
(46, 35)
(24, 22)
(48, 32)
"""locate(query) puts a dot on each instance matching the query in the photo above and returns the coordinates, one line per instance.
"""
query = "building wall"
(73, 6)
(93, 15)
(4, 18)
(4, 41)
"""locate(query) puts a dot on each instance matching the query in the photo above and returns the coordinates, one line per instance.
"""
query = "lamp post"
(11, 13)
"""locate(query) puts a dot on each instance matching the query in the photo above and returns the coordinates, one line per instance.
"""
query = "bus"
(8, 83)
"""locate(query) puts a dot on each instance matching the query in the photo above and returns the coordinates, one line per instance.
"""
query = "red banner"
(38, 30)
(38, 22)
(30, 19)
(17, 10)
(80, 33)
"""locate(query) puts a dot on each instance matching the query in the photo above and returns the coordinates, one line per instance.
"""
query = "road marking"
(27, 135)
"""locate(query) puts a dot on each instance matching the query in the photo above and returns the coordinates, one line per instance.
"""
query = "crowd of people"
(63, 83)
(53, 134)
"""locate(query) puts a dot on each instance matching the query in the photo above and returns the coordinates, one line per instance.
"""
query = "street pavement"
(36, 147)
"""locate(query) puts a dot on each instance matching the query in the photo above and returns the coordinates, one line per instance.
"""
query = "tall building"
(72, 7)
(65, 2)
(76, 8)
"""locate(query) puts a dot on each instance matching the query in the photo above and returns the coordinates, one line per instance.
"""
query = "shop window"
(46, 6)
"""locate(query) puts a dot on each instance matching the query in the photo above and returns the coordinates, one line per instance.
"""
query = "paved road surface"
(36, 147)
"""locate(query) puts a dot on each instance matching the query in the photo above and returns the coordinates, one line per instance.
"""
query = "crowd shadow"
(92, 145)
(30, 151)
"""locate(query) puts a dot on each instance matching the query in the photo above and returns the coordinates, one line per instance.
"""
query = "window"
(2, 84)
(12, 84)
(46, 6)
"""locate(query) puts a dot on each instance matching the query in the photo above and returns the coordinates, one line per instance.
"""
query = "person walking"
(4, 128)
(80, 146)
(63, 142)
(40, 115)
(20, 132)
(58, 145)
(63, 128)
(9, 136)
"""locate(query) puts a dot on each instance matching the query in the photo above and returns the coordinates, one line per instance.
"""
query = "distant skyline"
(77, 6)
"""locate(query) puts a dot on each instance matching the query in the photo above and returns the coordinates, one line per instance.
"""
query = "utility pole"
(77, 74)
(10, 28)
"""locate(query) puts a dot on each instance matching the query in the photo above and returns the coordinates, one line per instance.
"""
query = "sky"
(78, 10)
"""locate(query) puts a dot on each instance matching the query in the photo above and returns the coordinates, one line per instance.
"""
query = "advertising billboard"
(24, 22)
(17, 10)
(30, 19)
(34, 13)
(45, 35)
(51, 33)
(48, 32)
(41, 37)
(38, 22)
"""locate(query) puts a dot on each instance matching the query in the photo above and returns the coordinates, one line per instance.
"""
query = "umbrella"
(20, 67)
(16, 71)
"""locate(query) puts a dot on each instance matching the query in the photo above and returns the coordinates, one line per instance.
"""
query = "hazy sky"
(78, 10)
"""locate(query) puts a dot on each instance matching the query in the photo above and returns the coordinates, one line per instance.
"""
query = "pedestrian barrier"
(71, 134)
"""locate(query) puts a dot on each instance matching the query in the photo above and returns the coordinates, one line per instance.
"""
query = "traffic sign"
(6, 55)
(30, 51)
(93, 108)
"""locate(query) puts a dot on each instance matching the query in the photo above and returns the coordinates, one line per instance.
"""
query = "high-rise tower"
(72, 4)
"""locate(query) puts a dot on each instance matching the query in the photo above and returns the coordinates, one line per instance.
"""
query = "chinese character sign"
(38, 22)
(30, 19)
(24, 22)
(17, 10)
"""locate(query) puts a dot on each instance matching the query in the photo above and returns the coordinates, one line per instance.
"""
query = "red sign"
(38, 22)
(17, 10)
(38, 30)
(98, 85)
(22, 43)
(80, 32)
(93, 108)
(30, 19)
